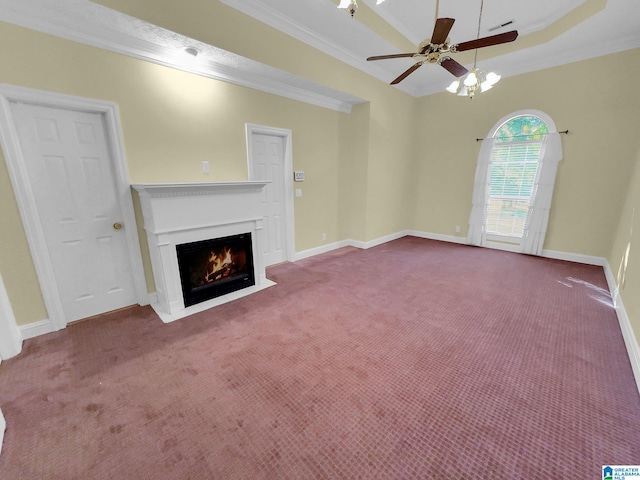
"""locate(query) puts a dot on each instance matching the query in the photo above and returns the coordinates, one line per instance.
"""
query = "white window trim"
(477, 235)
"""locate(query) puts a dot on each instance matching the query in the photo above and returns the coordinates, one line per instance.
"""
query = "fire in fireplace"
(211, 268)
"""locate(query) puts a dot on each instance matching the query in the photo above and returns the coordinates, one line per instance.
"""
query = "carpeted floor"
(416, 359)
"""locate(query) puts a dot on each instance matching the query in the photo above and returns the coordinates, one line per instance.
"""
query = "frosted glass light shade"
(470, 79)
(453, 88)
(474, 81)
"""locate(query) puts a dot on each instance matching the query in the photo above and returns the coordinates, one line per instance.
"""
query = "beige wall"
(385, 172)
(625, 253)
(172, 120)
(598, 153)
(354, 173)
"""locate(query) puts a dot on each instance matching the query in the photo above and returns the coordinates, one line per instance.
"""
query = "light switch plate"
(298, 176)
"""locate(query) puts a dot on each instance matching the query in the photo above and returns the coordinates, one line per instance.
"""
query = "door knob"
(117, 226)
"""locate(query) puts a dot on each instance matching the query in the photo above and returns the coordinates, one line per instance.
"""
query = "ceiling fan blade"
(407, 73)
(487, 41)
(441, 30)
(397, 55)
(453, 67)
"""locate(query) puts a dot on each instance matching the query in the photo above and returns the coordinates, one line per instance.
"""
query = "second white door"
(267, 164)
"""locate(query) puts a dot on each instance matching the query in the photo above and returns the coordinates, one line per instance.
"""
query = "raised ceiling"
(550, 32)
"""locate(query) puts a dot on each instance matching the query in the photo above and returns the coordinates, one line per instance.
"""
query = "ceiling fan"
(438, 47)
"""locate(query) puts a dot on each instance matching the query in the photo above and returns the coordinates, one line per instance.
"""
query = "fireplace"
(211, 268)
(190, 225)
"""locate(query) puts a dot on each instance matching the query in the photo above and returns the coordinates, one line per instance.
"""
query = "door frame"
(25, 198)
(10, 338)
(253, 129)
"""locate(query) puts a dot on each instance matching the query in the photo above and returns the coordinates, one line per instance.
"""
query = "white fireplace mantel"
(177, 213)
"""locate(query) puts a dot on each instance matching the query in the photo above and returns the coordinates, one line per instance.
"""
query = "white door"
(268, 165)
(69, 167)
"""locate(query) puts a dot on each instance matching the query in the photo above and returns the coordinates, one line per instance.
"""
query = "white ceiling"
(319, 23)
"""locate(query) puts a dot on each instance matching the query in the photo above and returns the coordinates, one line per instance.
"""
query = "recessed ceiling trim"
(399, 24)
(275, 19)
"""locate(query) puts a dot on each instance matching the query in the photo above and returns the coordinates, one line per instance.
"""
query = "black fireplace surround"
(211, 268)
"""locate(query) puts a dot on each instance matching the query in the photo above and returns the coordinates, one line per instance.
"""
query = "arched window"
(512, 174)
(514, 183)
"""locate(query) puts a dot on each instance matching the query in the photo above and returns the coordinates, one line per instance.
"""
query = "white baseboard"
(575, 257)
(10, 338)
(438, 236)
(3, 426)
(36, 329)
(381, 240)
(348, 243)
(567, 256)
(556, 255)
(630, 340)
(151, 299)
(312, 252)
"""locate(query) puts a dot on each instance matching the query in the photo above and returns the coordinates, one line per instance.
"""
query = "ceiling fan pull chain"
(480, 17)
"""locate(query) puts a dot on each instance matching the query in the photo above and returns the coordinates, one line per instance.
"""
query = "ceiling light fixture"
(474, 81)
(350, 5)
(193, 51)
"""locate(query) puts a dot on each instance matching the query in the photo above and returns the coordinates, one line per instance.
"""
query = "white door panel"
(268, 165)
(69, 167)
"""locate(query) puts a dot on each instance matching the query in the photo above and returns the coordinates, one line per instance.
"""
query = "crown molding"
(97, 26)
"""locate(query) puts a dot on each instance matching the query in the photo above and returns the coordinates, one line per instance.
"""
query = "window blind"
(514, 166)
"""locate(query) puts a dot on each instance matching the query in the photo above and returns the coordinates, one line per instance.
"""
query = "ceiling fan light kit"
(473, 82)
(437, 50)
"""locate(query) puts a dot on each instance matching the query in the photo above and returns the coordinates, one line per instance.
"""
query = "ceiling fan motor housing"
(430, 52)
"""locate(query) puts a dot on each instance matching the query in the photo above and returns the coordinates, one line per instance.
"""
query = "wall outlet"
(205, 167)
(457, 228)
(324, 236)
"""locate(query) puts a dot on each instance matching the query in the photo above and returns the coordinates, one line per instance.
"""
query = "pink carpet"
(416, 359)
